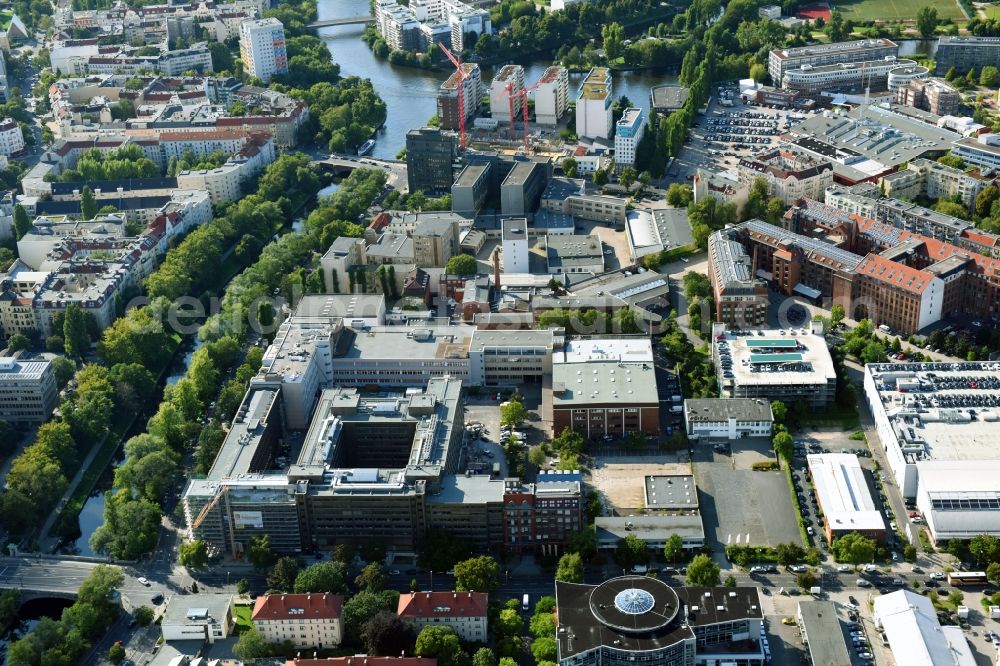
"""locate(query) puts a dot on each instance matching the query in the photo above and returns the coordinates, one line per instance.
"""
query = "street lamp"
(227, 579)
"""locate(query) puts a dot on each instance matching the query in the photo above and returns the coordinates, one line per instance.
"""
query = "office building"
(522, 189)
(568, 196)
(668, 97)
(822, 634)
(463, 612)
(781, 60)
(896, 295)
(653, 530)
(570, 253)
(605, 388)
(935, 96)
(541, 516)
(472, 97)
(651, 231)
(262, 48)
(856, 77)
(514, 241)
(843, 498)
(933, 180)
(552, 95)
(983, 150)
(965, 53)
(11, 138)
(398, 26)
(790, 175)
(735, 418)
(935, 422)
(790, 366)
(628, 134)
(505, 93)
(593, 105)
(740, 296)
(430, 158)
(206, 618)
(910, 623)
(633, 617)
(303, 620)
(28, 390)
(511, 357)
(471, 189)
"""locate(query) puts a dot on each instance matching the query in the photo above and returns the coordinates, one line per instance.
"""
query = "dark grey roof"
(123, 204)
(128, 185)
(716, 409)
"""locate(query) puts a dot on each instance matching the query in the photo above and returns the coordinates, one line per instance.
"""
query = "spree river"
(411, 94)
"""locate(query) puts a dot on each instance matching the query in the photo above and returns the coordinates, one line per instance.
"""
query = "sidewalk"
(47, 543)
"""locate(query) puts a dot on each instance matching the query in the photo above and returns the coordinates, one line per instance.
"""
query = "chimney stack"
(496, 269)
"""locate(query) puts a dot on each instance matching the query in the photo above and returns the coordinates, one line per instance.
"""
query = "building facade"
(506, 93)
(593, 105)
(28, 390)
(430, 158)
(306, 621)
(781, 60)
(790, 175)
(628, 134)
(740, 296)
(735, 418)
(934, 95)
(965, 53)
(11, 138)
(262, 48)
(464, 612)
(472, 97)
(540, 517)
(552, 95)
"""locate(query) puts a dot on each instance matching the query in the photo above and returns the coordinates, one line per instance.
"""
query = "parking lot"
(740, 505)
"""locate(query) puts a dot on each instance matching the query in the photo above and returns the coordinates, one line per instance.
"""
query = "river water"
(411, 94)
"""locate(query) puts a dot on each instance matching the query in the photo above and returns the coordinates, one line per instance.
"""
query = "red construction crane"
(460, 79)
(523, 94)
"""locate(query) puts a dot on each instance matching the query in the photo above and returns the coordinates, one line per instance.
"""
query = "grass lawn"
(873, 10)
(992, 11)
(242, 616)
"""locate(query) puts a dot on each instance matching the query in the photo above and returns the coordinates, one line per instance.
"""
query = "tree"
(130, 527)
(63, 369)
(194, 554)
(18, 342)
(462, 264)
(544, 649)
(478, 574)
(570, 568)
(989, 76)
(513, 413)
(631, 551)
(259, 552)
(613, 38)
(21, 222)
(673, 549)
(985, 549)
(758, 72)
(627, 177)
(993, 573)
(251, 646)
(703, 572)
(243, 586)
(806, 580)
(327, 577)
(679, 195)
(88, 204)
(372, 578)
(837, 314)
(75, 337)
(143, 616)
(116, 654)
(441, 550)
(985, 199)
(927, 19)
(583, 542)
(484, 657)
(853, 548)
(570, 169)
(510, 623)
(730, 581)
(874, 352)
(600, 177)
(784, 446)
(364, 605)
(385, 633)
(910, 552)
(536, 456)
(440, 642)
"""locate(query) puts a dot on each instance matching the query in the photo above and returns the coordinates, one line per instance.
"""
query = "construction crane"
(205, 510)
(523, 94)
(460, 80)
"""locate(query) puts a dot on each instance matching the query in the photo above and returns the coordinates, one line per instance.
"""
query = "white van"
(524, 602)
(885, 329)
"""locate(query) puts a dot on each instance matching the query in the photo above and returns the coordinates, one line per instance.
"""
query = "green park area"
(895, 10)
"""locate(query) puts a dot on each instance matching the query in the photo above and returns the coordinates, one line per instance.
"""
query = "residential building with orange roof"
(304, 620)
(897, 295)
(465, 612)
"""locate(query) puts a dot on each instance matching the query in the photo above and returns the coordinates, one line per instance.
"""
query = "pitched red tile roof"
(280, 607)
(443, 604)
(895, 274)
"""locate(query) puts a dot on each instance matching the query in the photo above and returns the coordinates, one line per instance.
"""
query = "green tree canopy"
(322, 577)
(440, 642)
(570, 568)
(703, 572)
(853, 548)
(462, 264)
(478, 574)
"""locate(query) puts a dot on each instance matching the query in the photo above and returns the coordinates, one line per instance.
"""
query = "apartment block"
(965, 53)
(540, 517)
(28, 390)
(781, 60)
(306, 621)
(931, 179)
(262, 48)
(464, 612)
(505, 93)
(472, 97)
(740, 296)
(552, 96)
(11, 138)
(593, 105)
(790, 175)
(628, 133)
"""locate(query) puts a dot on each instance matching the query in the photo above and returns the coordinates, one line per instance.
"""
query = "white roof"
(842, 492)
(642, 228)
(915, 635)
(633, 350)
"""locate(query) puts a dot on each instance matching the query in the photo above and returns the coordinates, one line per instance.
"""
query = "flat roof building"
(741, 297)
(206, 618)
(654, 530)
(593, 105)
(601, 398)
(965, 53)
(781, 60)
(790, 366)
(731, 418)
(668, 97)
(843, 497)
(570, 253)
(822, 633)
(28, 391)
(936, 422)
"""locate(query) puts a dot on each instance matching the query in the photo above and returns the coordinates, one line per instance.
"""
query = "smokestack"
(496, 268)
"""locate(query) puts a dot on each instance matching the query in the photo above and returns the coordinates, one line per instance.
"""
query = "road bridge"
(343, 165)
(349, 20)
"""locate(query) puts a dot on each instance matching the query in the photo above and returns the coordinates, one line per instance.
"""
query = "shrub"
(766, 466)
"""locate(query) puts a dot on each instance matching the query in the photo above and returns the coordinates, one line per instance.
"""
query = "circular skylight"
(634, 601)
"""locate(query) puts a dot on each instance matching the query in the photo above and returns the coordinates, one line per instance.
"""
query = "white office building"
(262, 48)
(915, 636)
(514, 241)
(714, 418)
(205, 618)
(593, 105)
(27, 390)
(628, 134)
